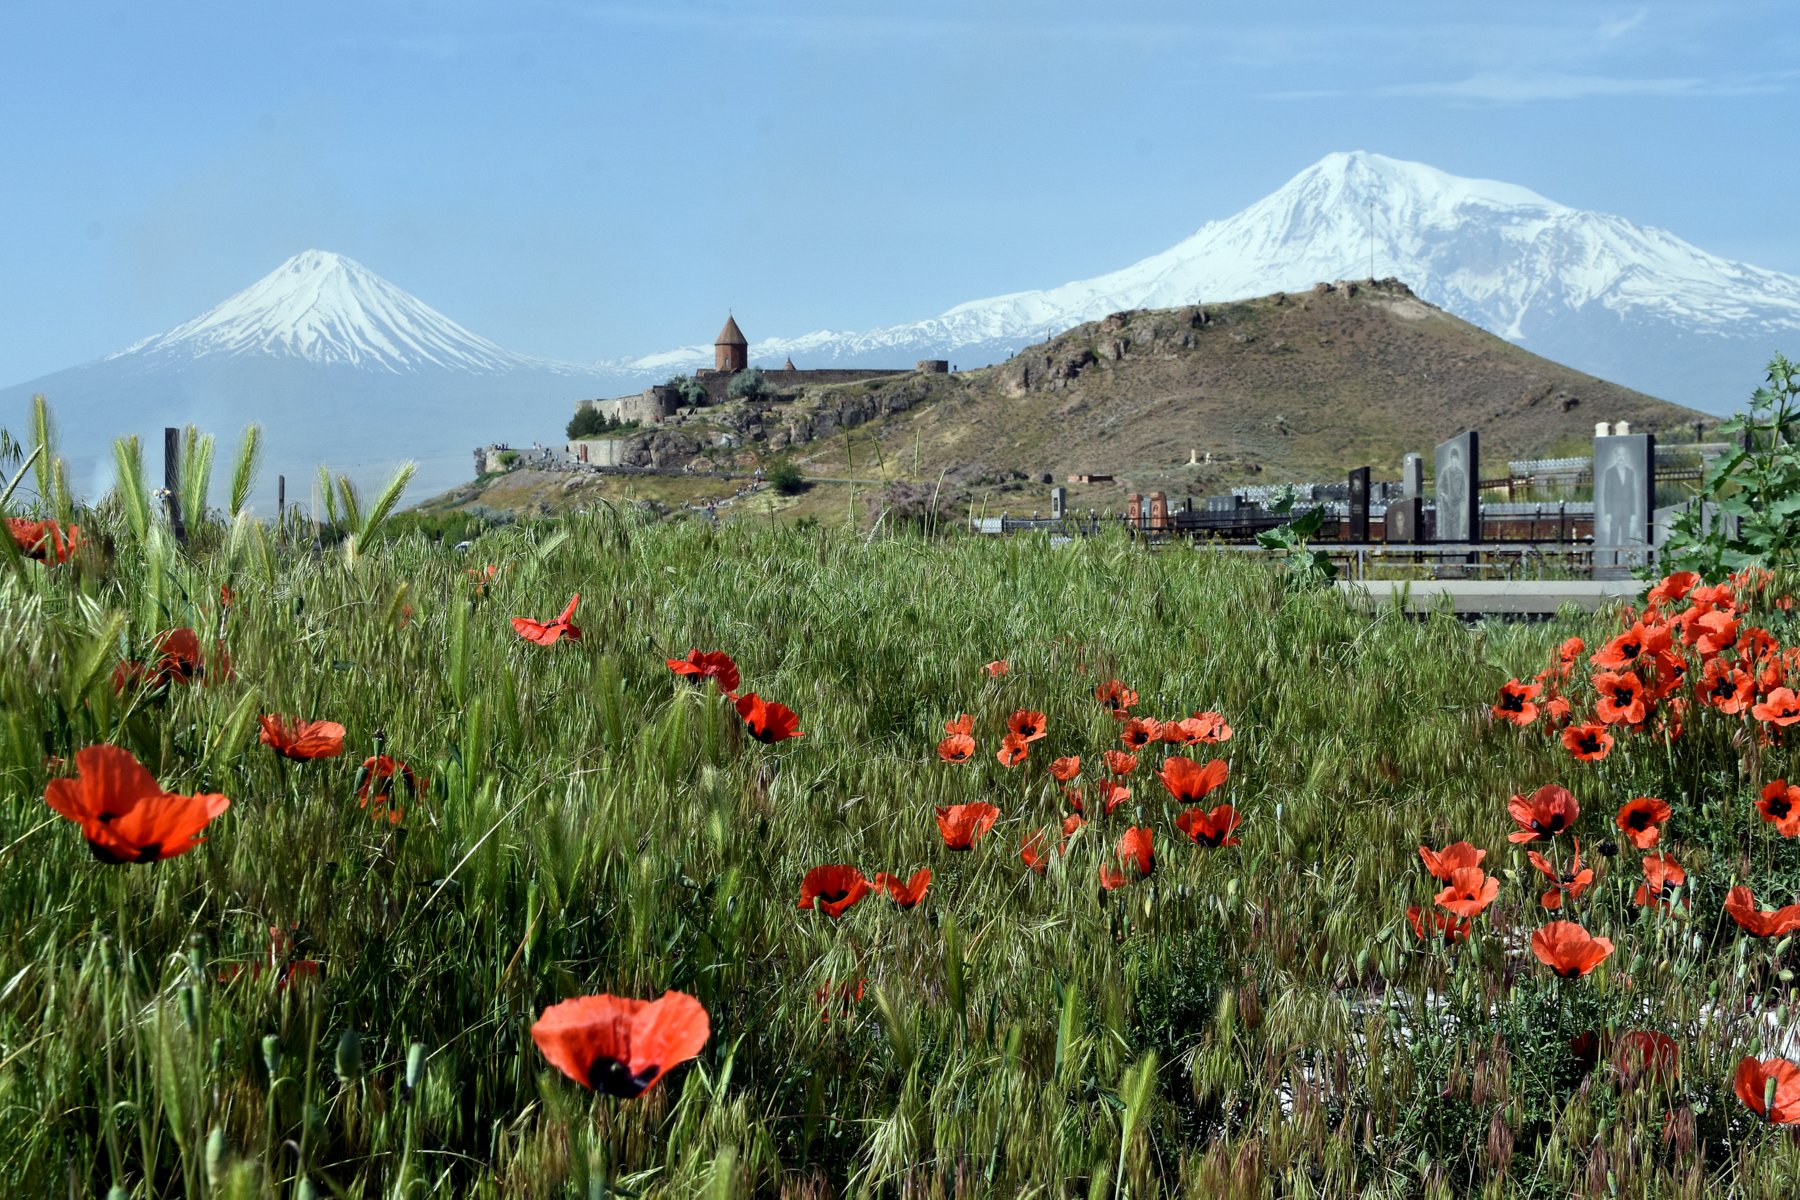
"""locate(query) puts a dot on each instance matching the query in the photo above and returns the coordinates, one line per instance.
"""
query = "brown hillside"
(1285, 387)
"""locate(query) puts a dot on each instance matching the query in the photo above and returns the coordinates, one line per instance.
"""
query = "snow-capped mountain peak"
(325, 308)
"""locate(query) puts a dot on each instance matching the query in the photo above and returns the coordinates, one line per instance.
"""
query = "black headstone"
(1359, 505)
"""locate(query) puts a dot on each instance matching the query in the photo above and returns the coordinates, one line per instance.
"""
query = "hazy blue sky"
(586, 180)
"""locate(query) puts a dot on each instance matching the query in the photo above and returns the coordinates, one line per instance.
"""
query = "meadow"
(334, 993)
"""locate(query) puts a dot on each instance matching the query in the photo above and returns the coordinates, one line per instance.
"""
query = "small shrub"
(787, 479)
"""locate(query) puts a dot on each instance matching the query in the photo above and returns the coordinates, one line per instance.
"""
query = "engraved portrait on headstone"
(1457, 483)
(1624, 490)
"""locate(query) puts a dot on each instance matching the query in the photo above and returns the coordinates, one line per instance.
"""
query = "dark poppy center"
(1631, 649)
(1568, 972)
(1590, 744)
(1779, 806)
(835, 897)
(1639, 820)
(614, 1078)
(1513, 702)
(1623, 696)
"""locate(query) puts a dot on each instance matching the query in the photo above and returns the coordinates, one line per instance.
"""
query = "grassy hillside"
(341, 993)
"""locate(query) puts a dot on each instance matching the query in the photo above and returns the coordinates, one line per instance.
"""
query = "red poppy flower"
(1740, 906)
(717, 666)
(1646, 1055)
(1671, 588)
(832, 889)
(957, 748)
(481, 577)
(1780, 807)
(1139, 732)
(546, 633)
(1120, 763)
(905, 893)
(1588, 743)
(1064, 769)
(1189, 782)
(1516, 702)
(1573, 881)
(1642, 820)
(1116, 697)
(1754, 644)
(1213, 728)
(1622, 651)
(621, 1047)
(845, 996)
(1568, 652)
(1137, 858)
(124, 814)
(1035, 852)
(1172, 733)
(1557, 711)
(1469, 892)
(1026, 725)
(178, 658)
(375, 782)
(768, 721)
(1455, 856)
(1668, 671)
(1072, 822)
(996, 668)
(1111, 794)
(1550, 810)
(1715, 595)
(44, 541)
(1727, 687)
(964, 723)
(963, 824)
(1450, 929)
(1770, 1088)
(1716, 631)
(1662, 877)
(300, 740)
(1568, 949)
(1013, 750)
(1621, 698)
(1211, 829)
(1781, 708)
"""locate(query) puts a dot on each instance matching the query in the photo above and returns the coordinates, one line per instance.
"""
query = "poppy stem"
(110, 1122)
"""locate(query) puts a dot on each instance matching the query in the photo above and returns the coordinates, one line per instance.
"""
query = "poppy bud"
(415, 1067)
(215, 1157)
(1608, 848)
(271, 1048)
(349, 1056)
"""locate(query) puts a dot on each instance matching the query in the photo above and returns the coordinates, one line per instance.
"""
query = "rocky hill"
(1288, 386)
(1189, 400)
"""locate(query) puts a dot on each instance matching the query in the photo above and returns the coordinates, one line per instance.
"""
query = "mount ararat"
(343, 368)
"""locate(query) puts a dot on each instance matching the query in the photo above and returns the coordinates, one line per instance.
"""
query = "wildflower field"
(804, 863)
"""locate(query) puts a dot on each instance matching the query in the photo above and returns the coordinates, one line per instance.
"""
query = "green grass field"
(1250, 1021)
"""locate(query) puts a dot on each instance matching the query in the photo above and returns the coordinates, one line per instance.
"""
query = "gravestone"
(1159, 511)
(1134, 509)
(1059, 501)
(1412, 475)
(1624, 492)
(1405, 520)
(1457, 485)
(1359, 505)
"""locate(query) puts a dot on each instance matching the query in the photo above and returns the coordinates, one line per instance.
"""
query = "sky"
(604, 180)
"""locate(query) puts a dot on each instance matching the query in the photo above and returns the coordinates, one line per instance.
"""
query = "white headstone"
(1621, 428)
(1602, 429)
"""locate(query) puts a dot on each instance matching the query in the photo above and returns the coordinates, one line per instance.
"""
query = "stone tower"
(731, 350)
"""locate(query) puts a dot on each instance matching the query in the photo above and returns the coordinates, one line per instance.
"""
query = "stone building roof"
(789, 365)
(731, 335)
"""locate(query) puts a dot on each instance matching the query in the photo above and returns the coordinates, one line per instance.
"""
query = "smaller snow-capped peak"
(326, 308)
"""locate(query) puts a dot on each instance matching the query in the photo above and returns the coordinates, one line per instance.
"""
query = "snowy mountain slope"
(324, 308)
(339, 366)
(1633, 304)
